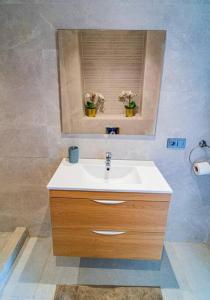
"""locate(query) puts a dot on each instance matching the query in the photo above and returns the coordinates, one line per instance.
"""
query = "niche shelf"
(109, 61)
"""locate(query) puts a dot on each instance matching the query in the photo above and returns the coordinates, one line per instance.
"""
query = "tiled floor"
(183, 274)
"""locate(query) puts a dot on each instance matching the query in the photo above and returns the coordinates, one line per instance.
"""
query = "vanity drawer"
(146, 216)
(110, 195)
(84, 242)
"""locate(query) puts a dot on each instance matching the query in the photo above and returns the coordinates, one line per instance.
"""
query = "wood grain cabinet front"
(110, 227)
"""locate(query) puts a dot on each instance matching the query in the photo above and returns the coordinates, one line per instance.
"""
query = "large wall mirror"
(110, 78)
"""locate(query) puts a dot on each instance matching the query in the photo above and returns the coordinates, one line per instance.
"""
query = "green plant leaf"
(90, 104)
(132, 104)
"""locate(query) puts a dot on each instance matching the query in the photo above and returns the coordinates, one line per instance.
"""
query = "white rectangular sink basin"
(116, 174)
(124, 176)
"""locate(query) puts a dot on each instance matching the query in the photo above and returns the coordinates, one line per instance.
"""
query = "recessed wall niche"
(109, 62)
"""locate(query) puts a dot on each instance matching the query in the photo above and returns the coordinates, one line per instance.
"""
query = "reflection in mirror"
(110, 78)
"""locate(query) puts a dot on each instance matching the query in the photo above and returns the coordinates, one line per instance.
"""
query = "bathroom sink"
(116, 174)
(123, 176)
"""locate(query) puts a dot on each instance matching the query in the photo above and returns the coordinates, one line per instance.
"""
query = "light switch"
(176, 143)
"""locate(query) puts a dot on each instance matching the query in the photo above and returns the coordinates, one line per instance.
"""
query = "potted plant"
(93, 103)
(130, 105)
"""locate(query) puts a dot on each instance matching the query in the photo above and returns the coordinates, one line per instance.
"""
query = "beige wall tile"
(25, 205)
(23, 171)
(21, 68)
(22, 107)
(30, 142)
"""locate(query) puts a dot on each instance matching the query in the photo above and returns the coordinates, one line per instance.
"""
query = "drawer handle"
(109, 202)
(108, 232)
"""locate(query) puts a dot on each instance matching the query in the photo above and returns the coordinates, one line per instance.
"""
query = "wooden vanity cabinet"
(108, 224)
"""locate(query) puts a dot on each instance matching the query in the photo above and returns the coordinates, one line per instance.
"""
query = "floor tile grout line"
(176, 276)
(77, 280)
(43, 268)
(188, 287)
(173, 267)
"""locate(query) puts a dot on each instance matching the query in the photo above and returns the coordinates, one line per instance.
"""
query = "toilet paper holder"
(202, 144)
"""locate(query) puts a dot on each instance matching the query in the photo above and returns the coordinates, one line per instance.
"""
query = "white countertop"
(124, 176)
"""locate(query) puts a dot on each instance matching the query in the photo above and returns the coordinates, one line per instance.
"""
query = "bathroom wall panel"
(29, 98)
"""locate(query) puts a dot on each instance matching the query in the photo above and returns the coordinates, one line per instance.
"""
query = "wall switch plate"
(176, 143)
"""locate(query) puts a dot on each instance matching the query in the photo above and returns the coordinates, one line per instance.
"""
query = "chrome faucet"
(108, 160)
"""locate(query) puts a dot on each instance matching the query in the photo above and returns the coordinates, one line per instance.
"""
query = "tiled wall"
(31, 144)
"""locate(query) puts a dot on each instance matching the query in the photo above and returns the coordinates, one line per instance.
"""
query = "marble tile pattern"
(31, 141)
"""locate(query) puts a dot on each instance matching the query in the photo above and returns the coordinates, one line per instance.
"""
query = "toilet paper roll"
(201, 168)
